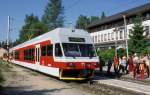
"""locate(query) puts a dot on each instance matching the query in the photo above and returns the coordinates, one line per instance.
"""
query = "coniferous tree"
(25, 32)
(82, 22)
(53, 14)
(33, 27)
(136, 41)
(94, 19)
(103, 15)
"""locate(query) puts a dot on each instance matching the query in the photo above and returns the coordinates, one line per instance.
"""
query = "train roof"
(56, 35)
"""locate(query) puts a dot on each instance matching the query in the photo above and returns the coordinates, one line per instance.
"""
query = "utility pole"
(126, 36)
(8, 36)
(8, 32)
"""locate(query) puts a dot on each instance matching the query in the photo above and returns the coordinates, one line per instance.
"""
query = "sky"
(17, 9)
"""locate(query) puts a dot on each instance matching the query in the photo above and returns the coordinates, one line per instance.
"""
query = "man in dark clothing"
(109, 66)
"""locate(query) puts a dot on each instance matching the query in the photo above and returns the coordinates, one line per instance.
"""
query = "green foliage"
(38, 28)
(3, 44)
(146, 50)
(32, 28)
(136, 41)
(121, 52)
(25, 32)
(106, 53)
(94, 19)
(53, 14)
(82, 22)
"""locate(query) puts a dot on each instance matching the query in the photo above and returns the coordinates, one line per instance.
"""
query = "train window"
(49, 50)
(24, 54)
(58, 52)
(43, 50)
(32, 54)
(16, 54)
(29, 54)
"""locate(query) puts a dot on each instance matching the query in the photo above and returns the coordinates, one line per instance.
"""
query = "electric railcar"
(65, 53)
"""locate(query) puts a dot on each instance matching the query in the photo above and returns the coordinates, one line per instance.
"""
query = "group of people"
(133, 65)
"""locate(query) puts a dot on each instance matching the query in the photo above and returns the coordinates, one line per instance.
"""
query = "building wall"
(107, 38)
(2, 52)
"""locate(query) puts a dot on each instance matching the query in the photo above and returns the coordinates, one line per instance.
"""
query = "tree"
(94, 19)
(136, 41)
(82, 22)
(38, 28)
(53, 14)
(3, 44)
(25, 32)
(33, 27)
(103, 15)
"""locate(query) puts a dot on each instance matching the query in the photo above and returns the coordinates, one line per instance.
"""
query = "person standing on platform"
(135, 65)
(147, 64)
(122, 64)
(115, 64)
(141, 67)
(109, 66)
(130, 63)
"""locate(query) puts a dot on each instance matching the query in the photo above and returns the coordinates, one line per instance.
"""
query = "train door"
(37, 55)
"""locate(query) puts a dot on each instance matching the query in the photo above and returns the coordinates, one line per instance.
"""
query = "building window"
(121, 34)
(95, 39)
(130, 30)
(148, 16)
(112, 36)
(108, 36)
(116, 35)
(99, 38)
(105, 37)
(147, 30)
(102, 37)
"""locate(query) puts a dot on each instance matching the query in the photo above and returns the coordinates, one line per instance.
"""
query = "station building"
(110, 32)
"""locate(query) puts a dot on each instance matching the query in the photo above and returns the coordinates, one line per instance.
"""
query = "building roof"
(130, 12)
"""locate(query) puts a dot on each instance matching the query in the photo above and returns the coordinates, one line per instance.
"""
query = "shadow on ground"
(24, 91)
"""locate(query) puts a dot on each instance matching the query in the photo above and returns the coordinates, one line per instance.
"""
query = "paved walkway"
(125, 85)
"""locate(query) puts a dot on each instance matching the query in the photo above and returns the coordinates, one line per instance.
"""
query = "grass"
(4, 67)
(1, 75)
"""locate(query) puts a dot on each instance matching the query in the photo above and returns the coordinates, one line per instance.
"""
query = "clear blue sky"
(17, 9)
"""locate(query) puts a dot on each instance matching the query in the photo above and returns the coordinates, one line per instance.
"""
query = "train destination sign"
(73, 39)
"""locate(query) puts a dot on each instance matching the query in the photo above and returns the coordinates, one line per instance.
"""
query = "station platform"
(141, 87)
(131, 86)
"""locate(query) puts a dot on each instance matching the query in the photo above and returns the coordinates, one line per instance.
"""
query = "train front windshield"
(78, 50)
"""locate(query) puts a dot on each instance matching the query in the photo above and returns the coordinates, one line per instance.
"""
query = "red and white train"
(65, 53)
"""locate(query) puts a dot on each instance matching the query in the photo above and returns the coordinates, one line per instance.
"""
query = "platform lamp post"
(126, 34)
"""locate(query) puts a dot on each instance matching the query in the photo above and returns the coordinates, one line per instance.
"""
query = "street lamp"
(126, 36)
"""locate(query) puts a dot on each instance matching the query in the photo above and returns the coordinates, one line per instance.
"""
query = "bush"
(106, 54)
(146, 50)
